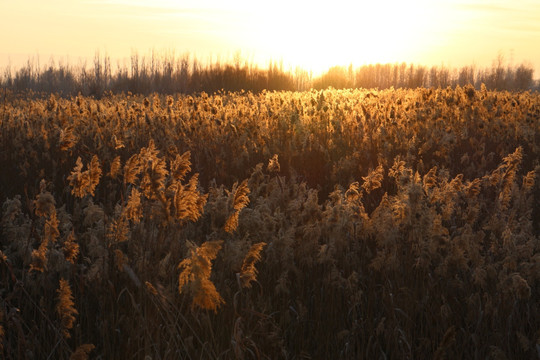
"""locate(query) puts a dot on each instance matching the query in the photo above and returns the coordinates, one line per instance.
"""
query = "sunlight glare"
(317, 37)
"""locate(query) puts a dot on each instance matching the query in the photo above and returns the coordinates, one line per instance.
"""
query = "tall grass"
(347, 224)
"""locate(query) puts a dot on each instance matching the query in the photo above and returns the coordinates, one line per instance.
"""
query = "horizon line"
(215, 59)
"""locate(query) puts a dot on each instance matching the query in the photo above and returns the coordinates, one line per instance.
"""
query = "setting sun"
(318, 37)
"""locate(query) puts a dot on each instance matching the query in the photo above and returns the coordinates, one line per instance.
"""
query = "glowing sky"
(312, 34)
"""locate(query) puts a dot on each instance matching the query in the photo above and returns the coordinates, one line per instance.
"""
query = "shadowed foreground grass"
(336, 224)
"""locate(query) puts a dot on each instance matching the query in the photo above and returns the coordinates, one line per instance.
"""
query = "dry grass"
(344, 224)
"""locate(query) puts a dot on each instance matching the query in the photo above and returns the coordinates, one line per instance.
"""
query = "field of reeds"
(336, 224)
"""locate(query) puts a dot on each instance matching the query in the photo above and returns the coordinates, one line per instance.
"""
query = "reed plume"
(39, 258)
(118, 229)
(67, 139)
(188, 201)
(180, 166)
(71, 248)
(44, 206)
(85, 182)
(248, 272)
(195, 273)
(373, 180)
(132, 168)
(240, 200)
(153, 179)
(116, 166)
(118, 144)
(472, 188)
(133, 209)
(430, 179)
(51, 231)
(65, 307)
(528, 180)
(353, 192)
(506, 173)
(273, 164)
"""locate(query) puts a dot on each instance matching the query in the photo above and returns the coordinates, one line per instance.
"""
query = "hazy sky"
(312, 34)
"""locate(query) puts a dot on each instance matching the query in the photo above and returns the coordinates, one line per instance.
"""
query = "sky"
(314, 35)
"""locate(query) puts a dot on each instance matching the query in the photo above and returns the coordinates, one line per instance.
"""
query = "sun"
(312, 35)
(317, 36)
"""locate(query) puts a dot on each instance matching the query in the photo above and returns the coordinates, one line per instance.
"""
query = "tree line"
(187, 74)
(500, 76)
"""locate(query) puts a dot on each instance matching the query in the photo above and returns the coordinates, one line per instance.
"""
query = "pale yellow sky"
(311, 34)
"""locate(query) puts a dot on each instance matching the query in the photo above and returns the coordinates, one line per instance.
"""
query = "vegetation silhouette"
(168, 74)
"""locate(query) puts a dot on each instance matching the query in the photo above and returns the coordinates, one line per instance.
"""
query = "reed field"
(329, 224)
